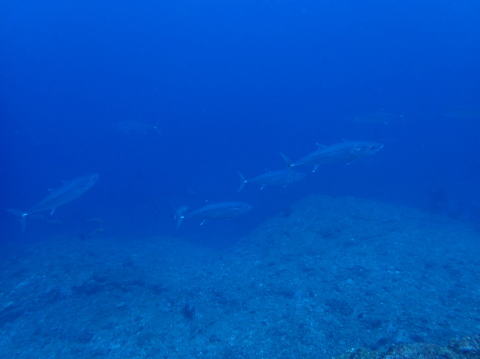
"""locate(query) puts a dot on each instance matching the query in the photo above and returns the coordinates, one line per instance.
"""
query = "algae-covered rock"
(468, 347)
(359, 354)
(464, 348)
(420, 351)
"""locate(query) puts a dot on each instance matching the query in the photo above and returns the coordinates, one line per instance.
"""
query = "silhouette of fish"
(134, 128)
(68, 192)
(346, 151)
(219, 210)
(378, 118)
(280, 178)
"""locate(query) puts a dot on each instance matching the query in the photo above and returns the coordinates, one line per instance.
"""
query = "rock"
(339, 307)
(467, 346)
(464, 348)
(10, 313)
(419, 351)
(359, 354)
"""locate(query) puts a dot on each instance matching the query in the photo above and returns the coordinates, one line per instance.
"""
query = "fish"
(280, 178)
(69, 191)
(346, 151)
(463, 114)
(218, 210)
(378, 118)
(135, 128)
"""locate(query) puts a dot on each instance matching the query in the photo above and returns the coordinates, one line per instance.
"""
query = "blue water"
(229, 86)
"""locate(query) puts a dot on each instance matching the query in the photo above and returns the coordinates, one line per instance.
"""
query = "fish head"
(85, 183)
(92, 179)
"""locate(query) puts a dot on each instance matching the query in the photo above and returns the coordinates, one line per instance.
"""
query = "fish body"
(465, 114)
(66, 193)
(379, 118)
(219, 210)
(346, 152)
(280, 178)
(136, 128)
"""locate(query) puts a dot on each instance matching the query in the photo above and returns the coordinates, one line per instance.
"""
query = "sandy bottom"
(330, 275)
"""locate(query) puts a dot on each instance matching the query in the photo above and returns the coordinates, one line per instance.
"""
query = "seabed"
(328, 277)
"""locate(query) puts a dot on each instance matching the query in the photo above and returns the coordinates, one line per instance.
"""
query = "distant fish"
(379, 118)
(135, 128)
(219, 210)
(68, 192)
(346, 152)
(280, 178)
(463, 114)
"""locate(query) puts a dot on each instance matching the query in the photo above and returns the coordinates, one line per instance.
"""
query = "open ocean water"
(245, 179)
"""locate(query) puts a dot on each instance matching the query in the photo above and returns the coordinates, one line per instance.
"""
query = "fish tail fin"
(21, 216)
(243, 182)
(287, 160)
(180, 215)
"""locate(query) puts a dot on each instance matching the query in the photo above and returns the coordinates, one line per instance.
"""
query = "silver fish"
(68, 192)
(346, 152)
(379, 118)
(280, 178)
(219, 210)
(463, 114)
(136, 128)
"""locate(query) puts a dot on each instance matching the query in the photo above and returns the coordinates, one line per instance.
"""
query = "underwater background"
(168, 102)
